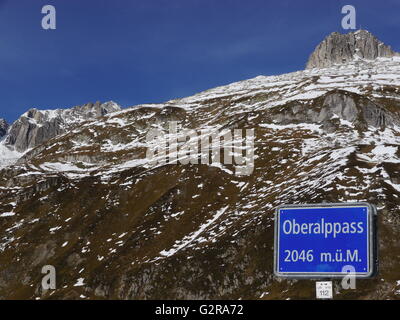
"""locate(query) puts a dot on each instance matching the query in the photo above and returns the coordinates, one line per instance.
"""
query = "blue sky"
(136, 51)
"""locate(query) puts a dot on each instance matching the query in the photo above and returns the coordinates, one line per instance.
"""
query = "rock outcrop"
(3, 127)
(36, 126)
(340, 48)
(334, 109)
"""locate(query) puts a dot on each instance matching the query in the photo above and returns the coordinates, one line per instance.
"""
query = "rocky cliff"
(3, 127)
(37, 126)
(90, 203)
(342, 48)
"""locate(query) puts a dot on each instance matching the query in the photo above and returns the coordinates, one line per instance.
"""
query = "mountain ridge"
(3, 127)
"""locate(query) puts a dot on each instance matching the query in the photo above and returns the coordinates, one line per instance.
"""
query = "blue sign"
(326, 240)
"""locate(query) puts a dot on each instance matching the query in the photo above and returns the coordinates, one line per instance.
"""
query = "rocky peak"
(3, 127)
(340, 48)
(37, 126)
(98, 109)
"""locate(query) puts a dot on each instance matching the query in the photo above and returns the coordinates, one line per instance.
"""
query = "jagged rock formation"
(3, 127)
(36, 126)
(342, 48)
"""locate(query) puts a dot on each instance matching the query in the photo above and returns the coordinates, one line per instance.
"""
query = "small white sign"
(324, 290)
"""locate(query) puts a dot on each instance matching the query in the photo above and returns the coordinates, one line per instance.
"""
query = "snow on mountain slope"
(360, 76)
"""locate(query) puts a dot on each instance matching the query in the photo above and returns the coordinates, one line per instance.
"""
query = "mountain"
(342, 48)
(116, 225)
